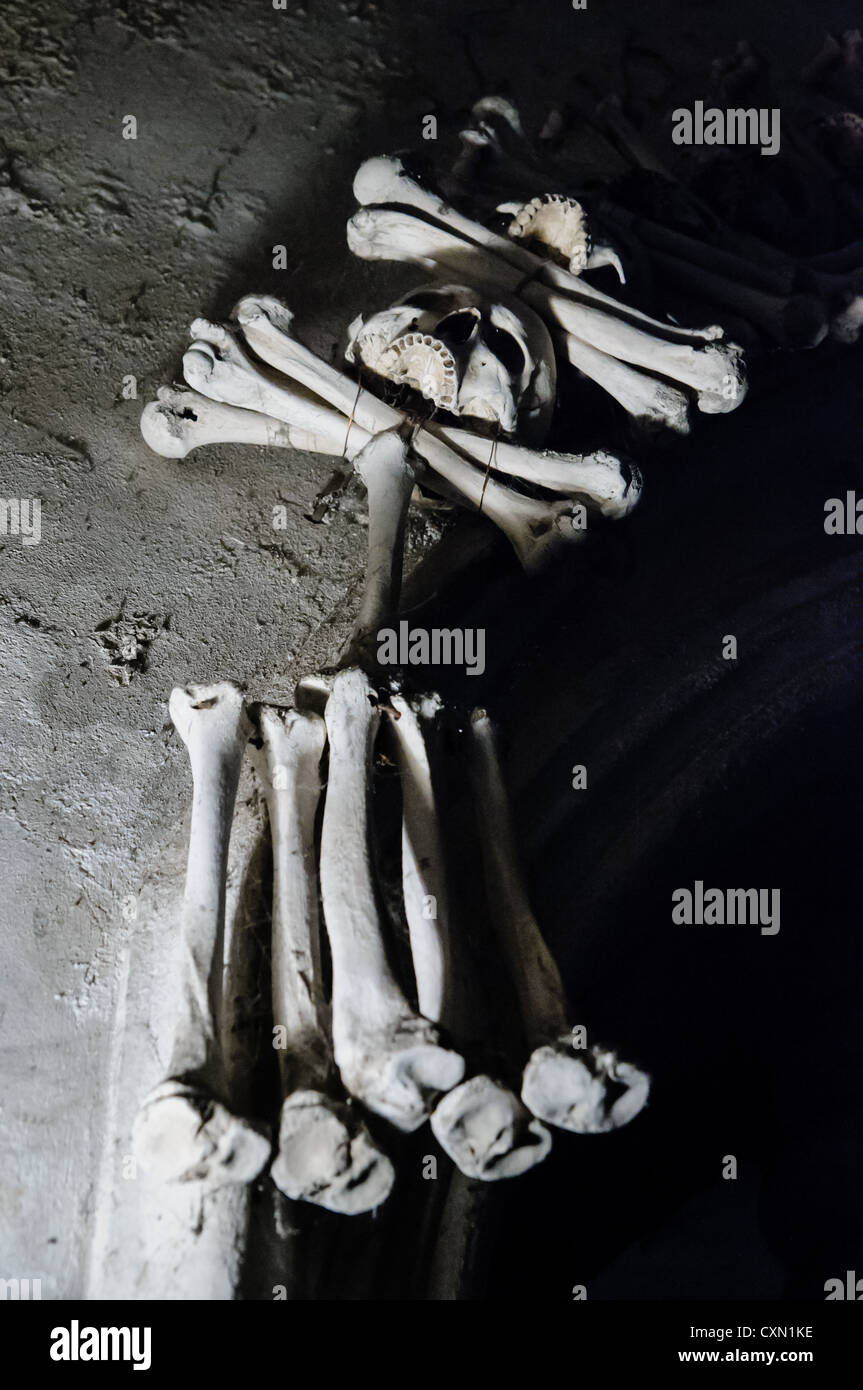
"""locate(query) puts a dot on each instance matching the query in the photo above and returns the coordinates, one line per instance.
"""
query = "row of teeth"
(522, 224)
(446, 390)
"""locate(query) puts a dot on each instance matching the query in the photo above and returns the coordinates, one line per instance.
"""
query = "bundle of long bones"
(365, 1049)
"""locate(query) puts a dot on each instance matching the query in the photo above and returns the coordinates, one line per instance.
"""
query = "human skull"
(491, 360)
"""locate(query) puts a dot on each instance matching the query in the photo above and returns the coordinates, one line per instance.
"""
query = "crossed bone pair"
(650, 368)
(389, 1056)
(312, 409)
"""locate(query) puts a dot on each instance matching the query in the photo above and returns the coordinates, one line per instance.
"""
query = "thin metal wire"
(353, 410)
(491, 458)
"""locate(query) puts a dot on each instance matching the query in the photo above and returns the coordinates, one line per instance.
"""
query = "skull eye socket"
(425, 299)
(506, 349)
(458, 328)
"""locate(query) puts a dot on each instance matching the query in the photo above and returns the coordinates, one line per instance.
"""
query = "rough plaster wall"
(251, 122)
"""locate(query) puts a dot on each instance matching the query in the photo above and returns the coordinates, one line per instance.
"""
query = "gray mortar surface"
(251, 122)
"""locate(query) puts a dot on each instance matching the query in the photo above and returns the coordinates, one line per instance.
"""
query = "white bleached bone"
(185, 1129)
(533, 527)
(217, 367)
(483, 1127)
(180, 420)
(846, 324)
(713, 369)
(385, 468)
(389, 1057)
(326, 1155)
(586, 1091)
(603, 479)
(423, 882)
(561, 224)
(653, 403)
(487, 1131)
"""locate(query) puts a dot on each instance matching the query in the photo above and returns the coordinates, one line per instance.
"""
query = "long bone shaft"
(423, 882)
(483, 1127)
(385, 468)
(181, 419)
(653, 403)
(587, 1092)
(326, 1155)
(216, 366)
(184, 1129)
(775, 279)
(288, 766)
(388, 1056)
(713, 369)
(788, 304)
(793, 321)
(612, 485)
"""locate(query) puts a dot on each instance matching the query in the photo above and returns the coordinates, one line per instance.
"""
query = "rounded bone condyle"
(468, 354)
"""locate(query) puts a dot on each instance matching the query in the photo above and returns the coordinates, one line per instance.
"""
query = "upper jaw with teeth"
(561, 227)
